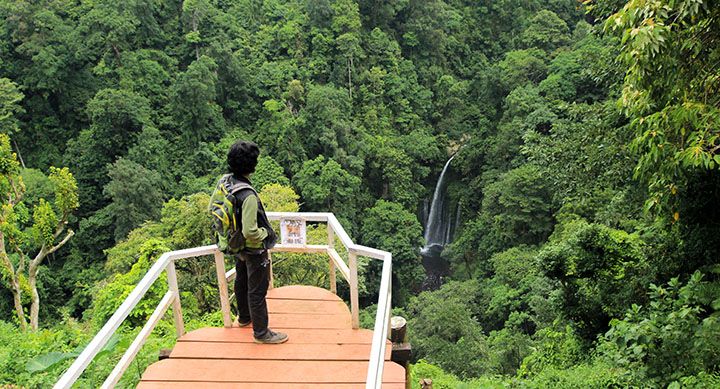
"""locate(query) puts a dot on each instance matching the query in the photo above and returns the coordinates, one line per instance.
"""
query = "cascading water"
(437, 228)
(437, 235)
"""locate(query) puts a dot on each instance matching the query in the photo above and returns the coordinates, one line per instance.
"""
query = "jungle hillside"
(577, 144)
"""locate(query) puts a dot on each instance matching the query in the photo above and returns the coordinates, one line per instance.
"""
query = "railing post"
(222, 285)
(389, 316)
(177, 309)
(352, 259)
(331, 244)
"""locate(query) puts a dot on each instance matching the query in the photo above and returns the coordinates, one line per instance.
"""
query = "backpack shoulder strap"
(238, 186)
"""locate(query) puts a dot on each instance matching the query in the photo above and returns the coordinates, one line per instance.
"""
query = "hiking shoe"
(272, 337)
(238, 323)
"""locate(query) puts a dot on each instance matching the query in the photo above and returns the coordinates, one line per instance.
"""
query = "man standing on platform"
(252, 262)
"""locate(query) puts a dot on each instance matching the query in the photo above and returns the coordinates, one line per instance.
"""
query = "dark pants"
(251, 285)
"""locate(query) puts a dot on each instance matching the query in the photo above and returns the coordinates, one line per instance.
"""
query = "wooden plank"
(255, 385)
(306, 249)
(299, 336)
(308, 216)
(299, 292)
(285, 352)
(313, 307)
(291, 320)
(218, 370)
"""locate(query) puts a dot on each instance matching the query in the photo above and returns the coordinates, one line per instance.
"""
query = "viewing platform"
(323, 350)
(326, 348)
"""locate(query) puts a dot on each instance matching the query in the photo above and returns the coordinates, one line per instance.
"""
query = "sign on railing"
(293, 231)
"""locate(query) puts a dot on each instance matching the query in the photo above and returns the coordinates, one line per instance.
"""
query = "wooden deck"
(323, 350)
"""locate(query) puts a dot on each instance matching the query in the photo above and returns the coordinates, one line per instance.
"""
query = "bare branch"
(43, 252)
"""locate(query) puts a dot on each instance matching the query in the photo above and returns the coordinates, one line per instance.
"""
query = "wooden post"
(354, 303)
(389, 317)
(177, 309)
(223, 288)
(331, 244)
(401, 350)
(398, 331)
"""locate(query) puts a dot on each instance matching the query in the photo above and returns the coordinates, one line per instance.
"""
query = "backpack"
(224, 211)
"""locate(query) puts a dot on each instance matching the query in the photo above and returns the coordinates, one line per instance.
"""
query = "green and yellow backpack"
(224, 212)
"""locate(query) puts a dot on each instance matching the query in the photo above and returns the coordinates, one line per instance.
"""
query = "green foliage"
(9, 165)
(554, 348)
(183, 223)
(268, 172)
(136, 195)
(37, 186)
(326, 186)
(46, 221)
(116, 115)
(601, 270)
(153, 151)
(589, 141)
(66, 198)
(443, 380)
(48, 360)
(358, 104)
(18, 348)
(304, 269)
(26, 241)
(545, 31)
(192, 102)
(522, 66)
(674, 336)
(111, 293)
(388, 226)
(443, 331)
(594, 375)
(279, 198)
(10, 96)
(670, 90)
(517, 295)
(516, 210)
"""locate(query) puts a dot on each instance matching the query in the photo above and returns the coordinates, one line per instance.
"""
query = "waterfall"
(437, 227)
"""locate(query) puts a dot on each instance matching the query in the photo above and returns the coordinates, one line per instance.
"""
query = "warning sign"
(293, 232)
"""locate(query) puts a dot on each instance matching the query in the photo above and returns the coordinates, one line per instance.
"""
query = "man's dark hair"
(243, 157)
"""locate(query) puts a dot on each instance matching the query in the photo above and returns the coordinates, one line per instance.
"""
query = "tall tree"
(136, 195)
(670, 91)
(26, 238)
(326, 186)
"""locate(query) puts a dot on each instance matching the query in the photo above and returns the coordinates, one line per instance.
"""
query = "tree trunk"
(14, 284)
(22, 163)
(350, 66)
(17, 300)
(35, 303)
(195, 29)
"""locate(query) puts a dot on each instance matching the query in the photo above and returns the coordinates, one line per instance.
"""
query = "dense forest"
(583, 192)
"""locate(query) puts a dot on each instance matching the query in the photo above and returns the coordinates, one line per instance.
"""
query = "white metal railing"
(166, 263)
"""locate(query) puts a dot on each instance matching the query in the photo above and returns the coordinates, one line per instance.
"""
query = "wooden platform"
(323, 350)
